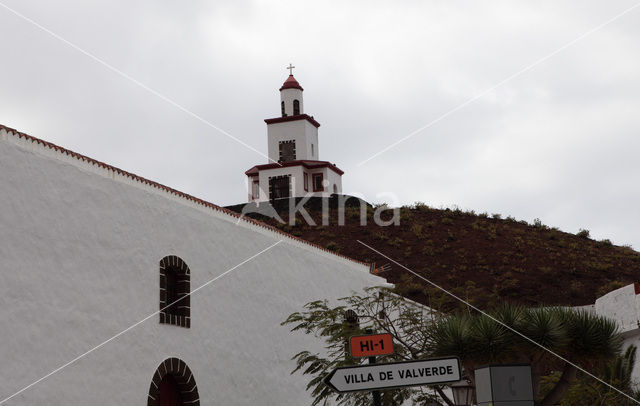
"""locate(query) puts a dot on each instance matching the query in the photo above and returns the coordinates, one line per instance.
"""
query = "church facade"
(294, 168)
(116, 290)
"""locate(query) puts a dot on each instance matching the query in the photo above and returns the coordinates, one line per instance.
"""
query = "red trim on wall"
(636, 287)
(309, 164)
(292, 118)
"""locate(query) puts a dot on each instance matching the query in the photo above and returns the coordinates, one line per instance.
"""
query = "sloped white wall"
(79, 257)
(622, 305)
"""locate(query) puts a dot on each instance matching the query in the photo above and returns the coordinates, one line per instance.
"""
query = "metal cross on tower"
(290, 67)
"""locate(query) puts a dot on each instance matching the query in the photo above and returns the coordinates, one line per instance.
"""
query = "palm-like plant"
(618, 373)
(587, 391)
(592, 341)
(516, 334)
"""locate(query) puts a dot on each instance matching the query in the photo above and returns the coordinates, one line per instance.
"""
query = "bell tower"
(294, 168)
(291, 103)
(294, 135)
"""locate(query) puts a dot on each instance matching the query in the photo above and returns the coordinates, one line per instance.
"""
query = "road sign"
(394, 374)
(371, 345)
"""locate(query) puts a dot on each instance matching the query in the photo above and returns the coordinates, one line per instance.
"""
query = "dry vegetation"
(482, 257)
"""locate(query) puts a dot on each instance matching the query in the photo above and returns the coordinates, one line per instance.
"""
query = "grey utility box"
(504, 385)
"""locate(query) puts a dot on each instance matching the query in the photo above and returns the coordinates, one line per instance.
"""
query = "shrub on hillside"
(583, 233)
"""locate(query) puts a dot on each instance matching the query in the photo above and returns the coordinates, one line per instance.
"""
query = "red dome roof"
(291, 83)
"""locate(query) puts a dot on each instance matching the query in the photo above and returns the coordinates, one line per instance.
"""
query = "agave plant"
(531, 335)
(619, 371)
(587, 391)
(592, 340)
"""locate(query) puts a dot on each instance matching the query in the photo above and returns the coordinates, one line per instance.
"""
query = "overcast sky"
(558, 140)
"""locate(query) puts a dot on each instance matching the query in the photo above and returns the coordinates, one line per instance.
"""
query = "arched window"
(173, 384)
(282, 109)
(175, 286)
(296, 107)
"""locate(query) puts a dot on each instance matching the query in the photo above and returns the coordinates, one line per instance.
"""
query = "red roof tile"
(291, 83)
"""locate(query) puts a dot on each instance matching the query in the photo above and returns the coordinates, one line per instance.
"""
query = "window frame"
(285, 146)
(255, 191)
(276, 185)
(314, 177)
(178, 313)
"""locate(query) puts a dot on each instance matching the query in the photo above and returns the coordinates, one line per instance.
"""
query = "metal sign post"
(377, 399)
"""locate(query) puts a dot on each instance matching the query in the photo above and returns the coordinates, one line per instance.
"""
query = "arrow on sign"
(394, 374)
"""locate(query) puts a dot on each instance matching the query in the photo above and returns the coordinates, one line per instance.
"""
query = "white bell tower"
(294, 168)
(291, 103)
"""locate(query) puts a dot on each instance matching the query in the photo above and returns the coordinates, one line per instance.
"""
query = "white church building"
(96, 265)
(294, 168)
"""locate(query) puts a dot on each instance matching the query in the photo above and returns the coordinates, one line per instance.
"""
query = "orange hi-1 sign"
(371, 345)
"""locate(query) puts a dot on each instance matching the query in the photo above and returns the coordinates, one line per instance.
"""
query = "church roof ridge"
(169, 190)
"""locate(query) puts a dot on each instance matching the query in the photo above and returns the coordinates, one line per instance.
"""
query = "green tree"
(378, 309)
(580, 337)
(588, 391)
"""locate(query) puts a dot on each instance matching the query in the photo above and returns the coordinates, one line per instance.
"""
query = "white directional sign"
(394, 374)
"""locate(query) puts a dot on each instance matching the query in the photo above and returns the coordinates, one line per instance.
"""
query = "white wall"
(297, 181)
(79, 253)
(311, 133)
(288, 96)
(622, 305)
(334, 179)
(302, 131)
(250, 180)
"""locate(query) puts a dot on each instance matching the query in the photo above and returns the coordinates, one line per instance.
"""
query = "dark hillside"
(481, 257)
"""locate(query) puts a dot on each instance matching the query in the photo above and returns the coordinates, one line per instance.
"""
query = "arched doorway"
(169, 392)
(173, 384)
